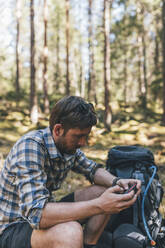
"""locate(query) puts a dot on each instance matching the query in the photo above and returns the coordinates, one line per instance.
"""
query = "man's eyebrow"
(81, 135)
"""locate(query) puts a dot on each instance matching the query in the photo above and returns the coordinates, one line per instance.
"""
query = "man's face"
(73, 139)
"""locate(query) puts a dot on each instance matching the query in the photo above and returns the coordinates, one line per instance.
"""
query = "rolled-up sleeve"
(31, 181)
(85, 166)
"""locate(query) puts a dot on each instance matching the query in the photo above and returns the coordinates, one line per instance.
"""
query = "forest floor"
(129, 128)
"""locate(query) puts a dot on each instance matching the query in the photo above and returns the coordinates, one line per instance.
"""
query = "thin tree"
(163, 68)
(45, 58)
(145, 85)
(81, 76)
(18, 16)
(91, 80)
(81, 67)
(143, 35)
(156, 57)
(107, 72)
(57, 68)
(67, 49)
(125, 75)
(33, 96)
(139, 64)
(125, 47)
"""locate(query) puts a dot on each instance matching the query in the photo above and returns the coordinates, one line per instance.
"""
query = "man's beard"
(62, 147)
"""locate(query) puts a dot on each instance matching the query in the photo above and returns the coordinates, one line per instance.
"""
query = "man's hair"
(73, 112)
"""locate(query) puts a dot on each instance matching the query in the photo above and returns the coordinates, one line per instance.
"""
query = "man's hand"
(126, 183)
(113, 200)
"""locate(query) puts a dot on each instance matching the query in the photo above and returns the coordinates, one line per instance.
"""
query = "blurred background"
(111, 52)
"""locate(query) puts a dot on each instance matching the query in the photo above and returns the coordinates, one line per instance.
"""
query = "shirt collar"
(68, 157)
(51, 146)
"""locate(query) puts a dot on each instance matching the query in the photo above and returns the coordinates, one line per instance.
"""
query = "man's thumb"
(117, 189)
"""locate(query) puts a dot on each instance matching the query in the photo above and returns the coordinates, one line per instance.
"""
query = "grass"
(129, 128)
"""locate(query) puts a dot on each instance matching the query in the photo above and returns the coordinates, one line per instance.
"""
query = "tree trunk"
(81, 71)
(143, 62)
(91, 80)
(156, 57)
(125, 77)
(45, 58)
(58, 72)
(139, 65)
(81, 66)
(145, 81)
(82, 81)
(163, 69)
(125, 49)
(157, 46)
(107, 76)
(33, 96)
(18, 16)
(67, 50)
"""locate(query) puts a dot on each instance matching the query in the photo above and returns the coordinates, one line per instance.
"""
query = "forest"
(110, 52)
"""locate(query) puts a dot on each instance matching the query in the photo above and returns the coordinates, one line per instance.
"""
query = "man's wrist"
(115, 180)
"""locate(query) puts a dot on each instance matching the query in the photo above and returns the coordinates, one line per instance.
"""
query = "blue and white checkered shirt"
(32, 170)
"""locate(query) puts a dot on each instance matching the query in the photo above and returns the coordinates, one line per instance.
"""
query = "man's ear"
(58, 130)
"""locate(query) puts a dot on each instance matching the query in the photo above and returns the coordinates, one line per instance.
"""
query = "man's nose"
(82, 141)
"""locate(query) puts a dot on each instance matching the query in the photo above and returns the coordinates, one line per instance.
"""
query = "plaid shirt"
(32, 170)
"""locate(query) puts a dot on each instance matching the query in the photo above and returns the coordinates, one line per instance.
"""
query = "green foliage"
(156, 88)
(131, 126)
(129, 20)
(16, 96)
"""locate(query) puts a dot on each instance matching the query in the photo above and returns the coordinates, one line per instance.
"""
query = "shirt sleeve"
(85, 166)
(31, 181)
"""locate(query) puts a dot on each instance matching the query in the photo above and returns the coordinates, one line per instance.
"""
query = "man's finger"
(128, 203)
(116, 189)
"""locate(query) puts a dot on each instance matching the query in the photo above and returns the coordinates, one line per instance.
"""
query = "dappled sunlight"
(73, 51)
(131, 132)
(132, 125)
(141, 136)
(15, 116)
(162, 208)
(11, 137)
(127, 138)
(96, 154)
(157, 129)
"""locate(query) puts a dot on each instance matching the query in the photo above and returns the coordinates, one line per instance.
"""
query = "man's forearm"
(55, 213)
(103, 177)
(109, 202)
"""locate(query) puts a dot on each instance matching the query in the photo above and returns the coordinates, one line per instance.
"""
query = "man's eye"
(77, 137)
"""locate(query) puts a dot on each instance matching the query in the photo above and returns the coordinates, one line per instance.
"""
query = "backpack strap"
(135, 214)
(150, 238)
(137, 174)
(140, 176)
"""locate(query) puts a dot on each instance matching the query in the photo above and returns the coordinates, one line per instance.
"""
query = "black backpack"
(138, 162)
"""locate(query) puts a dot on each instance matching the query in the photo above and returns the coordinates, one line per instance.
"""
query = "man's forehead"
(77, 130)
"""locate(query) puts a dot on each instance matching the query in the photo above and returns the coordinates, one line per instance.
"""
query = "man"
(37, 165)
